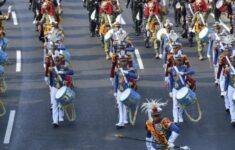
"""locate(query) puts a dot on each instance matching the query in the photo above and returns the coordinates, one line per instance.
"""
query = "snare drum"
(65, 96)
(205, 34)
(130, 98)
(221, 6)
(185, 97)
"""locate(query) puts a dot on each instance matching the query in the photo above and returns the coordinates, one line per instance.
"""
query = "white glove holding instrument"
(182, 73)
(61, 72)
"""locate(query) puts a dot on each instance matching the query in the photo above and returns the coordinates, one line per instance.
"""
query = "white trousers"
(122, 110)
(216, 71)
(57, 111)
(231, 90)
(177, 111)
(222, 82)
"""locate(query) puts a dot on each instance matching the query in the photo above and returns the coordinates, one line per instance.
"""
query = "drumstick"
(181, 79)
(202, 19)
(159, 21)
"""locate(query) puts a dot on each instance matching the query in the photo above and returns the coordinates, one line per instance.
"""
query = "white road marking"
(140, 62)
(222, 23)
(14, 18)
(18, 61)
(9, 127)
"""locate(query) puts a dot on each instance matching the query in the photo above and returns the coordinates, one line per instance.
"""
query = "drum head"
(219, 4)
(60, 92)
(203, 33)
(125, 94)
(160, 33)
(181, 93)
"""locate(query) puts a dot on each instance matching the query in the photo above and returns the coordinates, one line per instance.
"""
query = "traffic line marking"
(18, 61)
(15, 22)
(222, 23)
(9, 127)
(140, 62)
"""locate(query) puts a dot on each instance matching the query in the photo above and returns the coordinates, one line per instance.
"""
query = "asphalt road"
(95, 106)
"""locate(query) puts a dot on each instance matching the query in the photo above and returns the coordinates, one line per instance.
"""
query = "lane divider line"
(9, 127)
(18, 61)
(140, 62)
(15, 22)
(222, 23)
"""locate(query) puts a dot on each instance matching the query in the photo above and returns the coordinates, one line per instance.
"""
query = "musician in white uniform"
(178, 75)
(230, 87)
(56, 79)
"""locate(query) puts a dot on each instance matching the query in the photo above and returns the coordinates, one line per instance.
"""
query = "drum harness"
(184, 107)
(132, 118)
(68, 106)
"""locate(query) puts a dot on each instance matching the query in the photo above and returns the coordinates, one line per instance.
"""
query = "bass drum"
(2, 2)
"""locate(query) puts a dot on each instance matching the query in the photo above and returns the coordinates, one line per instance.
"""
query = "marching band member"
(125, 77)
(176, 49)
(150, 13)
(106, 43)
(214, 47)
(165, 37)
(177, 81)
(137, 13)
(167, 47)
(226, 51)
(56, 76)
(197, 24)
(154, 27)
(179, 11)
(3, 40)
(4, 17)
(230, 87)
(159, 130)
(93, 7)
(106, 12)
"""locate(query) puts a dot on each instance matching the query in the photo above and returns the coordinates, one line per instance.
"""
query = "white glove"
(208, 56)
(171, 145)
(61, 72)
(223, 93)
(160, 56)
(170, 94)
(115, 94)
(46, 79)
(112, 80)
(125, 71)
(182, 73)
(166, 79)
